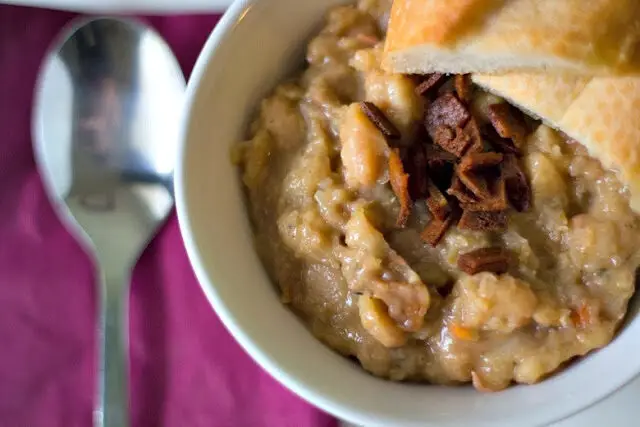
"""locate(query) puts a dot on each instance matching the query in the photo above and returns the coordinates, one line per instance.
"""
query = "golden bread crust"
(591, 37)
(439, 22)
(546, 96)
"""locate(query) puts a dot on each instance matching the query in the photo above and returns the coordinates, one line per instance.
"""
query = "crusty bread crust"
(542, 96)
(462, 36)
(600, 112)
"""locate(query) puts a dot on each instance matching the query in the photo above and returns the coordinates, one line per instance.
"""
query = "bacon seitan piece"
(478, 171)
(431, 83)
(479, 161)
(460, 192)
(437, 202)
(445, 111)
(380, 120)
(494, 260)
(436, 155)
(496, 203)
(483, 221)
(508, 122)
(463, 140)
(400, 185)
(517, 185)
(464, 89)
(436, 229)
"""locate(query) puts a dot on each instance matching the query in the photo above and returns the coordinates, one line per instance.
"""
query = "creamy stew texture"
(316, 175)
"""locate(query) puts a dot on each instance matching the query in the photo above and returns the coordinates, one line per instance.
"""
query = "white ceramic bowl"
(255, 45)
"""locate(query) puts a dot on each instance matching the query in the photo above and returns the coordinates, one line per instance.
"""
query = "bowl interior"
(256, 44)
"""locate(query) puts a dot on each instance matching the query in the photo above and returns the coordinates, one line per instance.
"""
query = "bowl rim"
(220, 33)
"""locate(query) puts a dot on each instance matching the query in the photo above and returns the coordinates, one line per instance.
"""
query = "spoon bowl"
(105, 130)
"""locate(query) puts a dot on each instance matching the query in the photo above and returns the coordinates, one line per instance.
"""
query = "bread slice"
(600, 112)
(593, 37)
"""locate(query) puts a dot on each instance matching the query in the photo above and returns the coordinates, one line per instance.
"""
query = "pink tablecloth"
(187, 371)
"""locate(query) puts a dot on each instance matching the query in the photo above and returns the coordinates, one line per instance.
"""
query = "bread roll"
(591, 37)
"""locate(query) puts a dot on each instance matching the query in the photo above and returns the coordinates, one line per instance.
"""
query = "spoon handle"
(113, 396)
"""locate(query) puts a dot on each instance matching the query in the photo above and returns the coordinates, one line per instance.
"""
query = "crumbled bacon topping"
(495, 203)
(436, 155)
(463, 140)
(435, 230)
(460, 192)
(437, 203)
(478, 161)
(440, 166)
(468, 176)
(476, 183)
(446, 111)
(444, 136)
(494, 260)
(471, 132)
(517, 186)
(483, 221)
(500, 144)
(478, 171)
(462, 83)
(431, 82)
(508, 122)
(380, 120)
(400, 186)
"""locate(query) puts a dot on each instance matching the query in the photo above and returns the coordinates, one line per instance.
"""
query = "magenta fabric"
(187, 371)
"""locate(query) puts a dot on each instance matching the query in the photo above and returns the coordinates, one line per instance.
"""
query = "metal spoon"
(105, 132)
